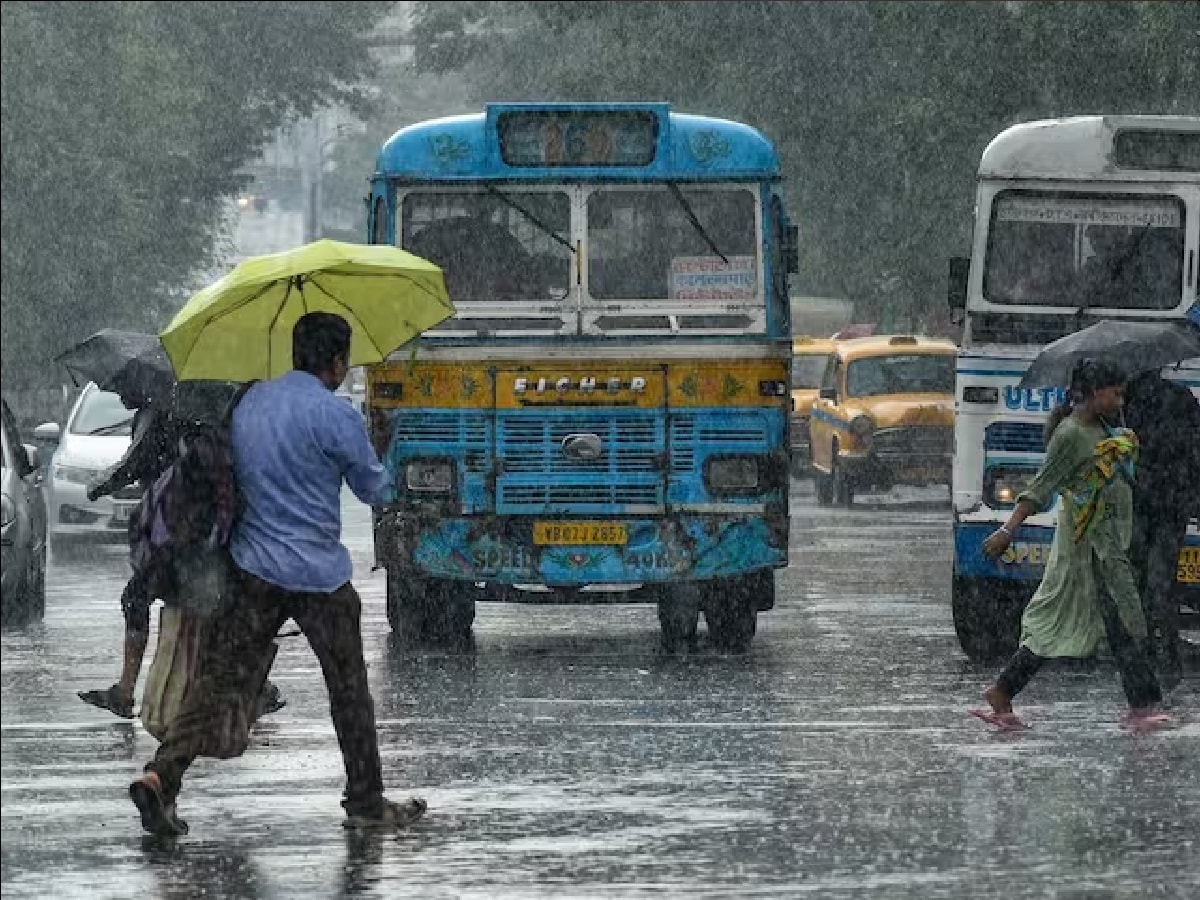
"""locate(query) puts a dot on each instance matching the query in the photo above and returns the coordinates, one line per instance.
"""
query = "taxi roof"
(805, 345)
(889, 344)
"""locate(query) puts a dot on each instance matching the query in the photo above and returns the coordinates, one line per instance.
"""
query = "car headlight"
(862, 427)
(733, 475)
(9, 510)
(74, 474)
(429, 476)
(1002, 485)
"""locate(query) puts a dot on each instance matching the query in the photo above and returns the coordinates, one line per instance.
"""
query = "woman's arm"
(1000, 539)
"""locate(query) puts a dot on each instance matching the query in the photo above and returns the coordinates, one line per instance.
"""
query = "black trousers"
(1158, 534)
(235, 648)
(1137, 676)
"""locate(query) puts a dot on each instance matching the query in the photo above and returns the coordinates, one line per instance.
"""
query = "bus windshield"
(492, 246)
(1085, 250)
(682, 243)
(907, 374)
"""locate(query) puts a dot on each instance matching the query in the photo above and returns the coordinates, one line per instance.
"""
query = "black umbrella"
(122, 361)
(1134, 347)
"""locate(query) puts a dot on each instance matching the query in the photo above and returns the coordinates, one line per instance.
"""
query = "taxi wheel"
(679, 615)
(824, 486)
(843, 489)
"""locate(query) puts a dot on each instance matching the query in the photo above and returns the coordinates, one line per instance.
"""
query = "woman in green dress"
(1088, 590)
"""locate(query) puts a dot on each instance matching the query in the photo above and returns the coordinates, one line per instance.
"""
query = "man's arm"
(128, 468)
(351, 448)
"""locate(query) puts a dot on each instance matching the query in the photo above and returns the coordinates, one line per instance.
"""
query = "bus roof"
(1082, 147)
(685, 147)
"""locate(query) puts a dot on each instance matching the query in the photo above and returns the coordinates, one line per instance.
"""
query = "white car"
(97, 434)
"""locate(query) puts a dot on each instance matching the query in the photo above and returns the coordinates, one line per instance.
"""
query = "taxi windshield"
(905, 374)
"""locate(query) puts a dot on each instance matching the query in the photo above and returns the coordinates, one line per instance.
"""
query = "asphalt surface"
(567, 756)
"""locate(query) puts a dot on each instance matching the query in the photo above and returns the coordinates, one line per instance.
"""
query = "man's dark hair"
(317, 339)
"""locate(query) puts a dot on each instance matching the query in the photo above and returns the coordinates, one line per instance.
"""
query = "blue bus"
(606, 416)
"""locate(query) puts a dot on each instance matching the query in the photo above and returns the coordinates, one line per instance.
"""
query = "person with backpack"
(294, 444)
(151, 451)
(161, 445)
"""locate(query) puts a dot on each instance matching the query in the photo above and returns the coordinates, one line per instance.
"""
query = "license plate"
(121, 513)
(1189, 565)
(571, 533)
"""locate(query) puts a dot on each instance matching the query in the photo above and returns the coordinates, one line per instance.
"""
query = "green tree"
(123, 127)
(880, 109)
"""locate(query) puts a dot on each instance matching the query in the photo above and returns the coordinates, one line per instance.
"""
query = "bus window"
(490, 248)
(643, 244)
(1085, 250)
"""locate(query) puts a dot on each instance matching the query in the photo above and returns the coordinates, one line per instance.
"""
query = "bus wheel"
(731, 609)
(678, 615)
(987, 618)
(435, 611)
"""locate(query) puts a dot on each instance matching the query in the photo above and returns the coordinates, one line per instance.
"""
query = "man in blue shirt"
(293, 444)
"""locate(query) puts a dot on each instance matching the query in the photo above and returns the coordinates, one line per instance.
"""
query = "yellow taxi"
(809, 357)
(884, 415)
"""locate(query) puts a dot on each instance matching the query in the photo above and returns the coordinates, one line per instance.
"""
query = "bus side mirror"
(791, 249)
(829, 394)
(956, 289)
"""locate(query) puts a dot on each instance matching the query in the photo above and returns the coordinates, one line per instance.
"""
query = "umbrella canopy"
(1132, 346)
(240, 327)
(128, 362)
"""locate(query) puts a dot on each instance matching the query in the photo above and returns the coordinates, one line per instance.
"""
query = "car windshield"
(807, 371)
(7, 451)
(102, 413)
(907, 374)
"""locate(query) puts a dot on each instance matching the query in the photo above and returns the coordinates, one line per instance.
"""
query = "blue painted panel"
(697, 435)
(467, 147)
(1028, 552)
(657, 551)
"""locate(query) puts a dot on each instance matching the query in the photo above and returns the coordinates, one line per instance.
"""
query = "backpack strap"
(227, 414)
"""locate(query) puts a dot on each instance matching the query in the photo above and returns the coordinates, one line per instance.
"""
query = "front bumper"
(72, 514)
(501, 550)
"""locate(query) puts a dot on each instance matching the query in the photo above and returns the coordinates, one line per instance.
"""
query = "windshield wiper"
(530, 216)
(114, 428)
(687, 209)
(1116, 267)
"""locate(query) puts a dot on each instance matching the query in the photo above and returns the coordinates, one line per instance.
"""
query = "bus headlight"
(733, 475)
(1003, 484)
(429, 476)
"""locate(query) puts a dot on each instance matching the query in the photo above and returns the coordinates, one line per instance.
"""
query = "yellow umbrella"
(240, 327)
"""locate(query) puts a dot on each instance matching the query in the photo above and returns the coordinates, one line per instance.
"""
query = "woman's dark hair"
(1088, 376)
(317, 340)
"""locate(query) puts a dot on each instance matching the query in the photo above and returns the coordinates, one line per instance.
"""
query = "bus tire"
(987, 618)
(431, 611)
(678, 615)
(731, 610)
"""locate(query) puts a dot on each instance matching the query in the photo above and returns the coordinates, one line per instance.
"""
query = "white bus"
(1076, 220)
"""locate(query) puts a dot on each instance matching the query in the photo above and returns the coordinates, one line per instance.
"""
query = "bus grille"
(1014, 437)
(535, 476)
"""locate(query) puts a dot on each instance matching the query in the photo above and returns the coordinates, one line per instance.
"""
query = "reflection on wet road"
(567, 756)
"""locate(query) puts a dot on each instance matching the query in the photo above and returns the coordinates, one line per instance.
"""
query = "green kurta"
(1063, 618)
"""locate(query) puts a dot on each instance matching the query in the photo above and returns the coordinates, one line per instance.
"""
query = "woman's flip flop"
(1004, 721)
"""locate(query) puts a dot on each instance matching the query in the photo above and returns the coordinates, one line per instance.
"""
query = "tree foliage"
(124, 126)
(880, 109)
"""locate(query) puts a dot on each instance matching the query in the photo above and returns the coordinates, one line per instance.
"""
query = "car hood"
(86, 451)
(912, 410)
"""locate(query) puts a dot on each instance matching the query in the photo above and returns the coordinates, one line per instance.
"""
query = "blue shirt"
(293, 443)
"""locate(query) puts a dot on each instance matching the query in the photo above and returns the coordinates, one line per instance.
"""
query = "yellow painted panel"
(427, 384)
(712, 382)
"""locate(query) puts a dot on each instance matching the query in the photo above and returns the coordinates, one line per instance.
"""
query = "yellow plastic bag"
(172, 670)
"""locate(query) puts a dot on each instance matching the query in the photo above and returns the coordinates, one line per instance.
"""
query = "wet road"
(567, 756)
